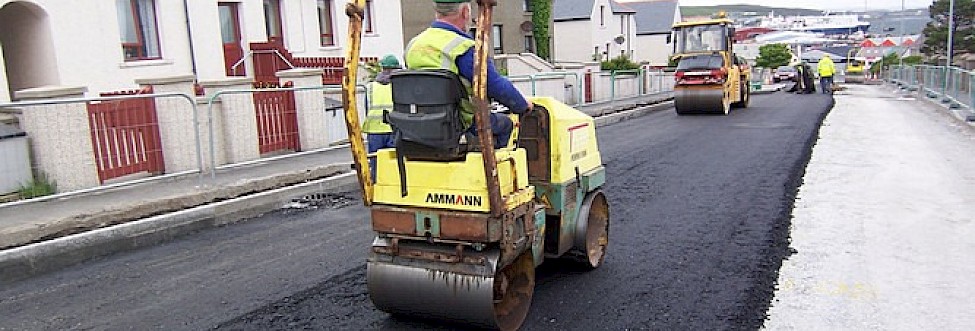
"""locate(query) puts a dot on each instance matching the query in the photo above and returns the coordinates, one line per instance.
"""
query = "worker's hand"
(531, 105)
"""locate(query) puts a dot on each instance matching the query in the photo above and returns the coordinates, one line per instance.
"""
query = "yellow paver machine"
(460, 226)
(710, 78)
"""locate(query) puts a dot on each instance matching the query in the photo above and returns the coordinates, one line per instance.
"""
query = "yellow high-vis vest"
(380, 101)
(436, 48)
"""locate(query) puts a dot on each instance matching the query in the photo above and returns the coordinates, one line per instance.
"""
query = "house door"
(233, 51)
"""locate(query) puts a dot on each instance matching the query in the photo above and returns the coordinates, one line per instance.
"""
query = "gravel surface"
(700, 211)
(883, 223)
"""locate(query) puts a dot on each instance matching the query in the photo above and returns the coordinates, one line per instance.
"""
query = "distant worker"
(446, 45)
(826, 69)
(379, 100)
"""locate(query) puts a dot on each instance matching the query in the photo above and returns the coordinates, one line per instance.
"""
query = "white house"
(654, 22)
(587, 30)
(106, 45)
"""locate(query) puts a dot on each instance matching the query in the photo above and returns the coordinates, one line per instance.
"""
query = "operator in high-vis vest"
(826, 69)
(446, 45)
(379, 100)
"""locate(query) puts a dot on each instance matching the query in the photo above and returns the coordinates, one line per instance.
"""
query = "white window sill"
(330, 48)
(145, 63)
(370, 34)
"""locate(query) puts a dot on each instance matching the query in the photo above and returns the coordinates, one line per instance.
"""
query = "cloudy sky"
(815, 4)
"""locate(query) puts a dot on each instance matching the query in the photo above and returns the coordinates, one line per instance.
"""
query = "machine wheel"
(488, 296)
(592, 231)
(709, 100)
(746, 96)
(513, 289)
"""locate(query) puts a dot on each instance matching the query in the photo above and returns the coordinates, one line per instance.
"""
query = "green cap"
(451, 1)
(389, 61)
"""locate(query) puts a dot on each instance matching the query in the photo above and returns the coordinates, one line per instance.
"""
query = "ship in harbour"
(828, 25)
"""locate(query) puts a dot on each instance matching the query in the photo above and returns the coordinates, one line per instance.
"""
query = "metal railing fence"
(952, 85)
(70, 139)
(86, 144)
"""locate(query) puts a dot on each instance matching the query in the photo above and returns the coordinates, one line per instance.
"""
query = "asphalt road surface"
(700, 211)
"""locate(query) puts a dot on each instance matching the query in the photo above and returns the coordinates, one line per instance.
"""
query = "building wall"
(88, 49)
(573, 41)
(510, 14)
(387, 36)
(653, 49)
(4, 86)
(570, 44)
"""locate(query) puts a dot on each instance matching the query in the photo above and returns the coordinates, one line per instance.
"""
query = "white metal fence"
(82, 144)
(952, 85)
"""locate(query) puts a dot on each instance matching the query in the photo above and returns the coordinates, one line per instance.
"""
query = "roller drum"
(699, 100)
(455, 292)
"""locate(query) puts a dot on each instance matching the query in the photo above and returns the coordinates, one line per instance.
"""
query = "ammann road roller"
(710, 78)
(460, 226)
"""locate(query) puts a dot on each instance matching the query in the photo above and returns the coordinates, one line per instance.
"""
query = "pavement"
(45, 235)
(883, 224)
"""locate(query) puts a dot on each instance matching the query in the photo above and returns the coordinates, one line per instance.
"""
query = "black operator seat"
(426, 114)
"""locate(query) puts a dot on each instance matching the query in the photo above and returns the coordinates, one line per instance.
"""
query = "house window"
(530, 44)
(527, 5)
(137, 25)
(367, 18)
(272, 20)
(325, 22)
(496, 38)
(602, 16)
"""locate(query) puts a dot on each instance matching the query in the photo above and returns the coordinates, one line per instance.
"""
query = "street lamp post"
(900, 58)
(951, 39)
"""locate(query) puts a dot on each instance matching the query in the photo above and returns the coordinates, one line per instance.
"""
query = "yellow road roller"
(461, 226)
(854, 69)
(710, 78)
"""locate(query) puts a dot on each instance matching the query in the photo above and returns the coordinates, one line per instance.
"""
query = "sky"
(816, 4)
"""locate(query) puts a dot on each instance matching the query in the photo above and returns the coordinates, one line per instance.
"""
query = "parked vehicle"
(785, 73)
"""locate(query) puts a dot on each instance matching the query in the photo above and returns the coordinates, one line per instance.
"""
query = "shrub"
(621, 62)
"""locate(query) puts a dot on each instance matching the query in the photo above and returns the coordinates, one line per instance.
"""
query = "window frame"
(368, 18)
(327, 5)
(602, 16)
(276, 4)
(140, 44)
(497, 41)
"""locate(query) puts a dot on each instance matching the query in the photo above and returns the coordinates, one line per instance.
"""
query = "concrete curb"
(26, 261)
(964, 114)
(35, 259)
(632, 113)
(120, 214)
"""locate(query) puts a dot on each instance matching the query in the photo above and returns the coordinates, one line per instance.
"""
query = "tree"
(541, 18)
(936, 32)
(913, 60)
(773, 56)
(885, 62)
